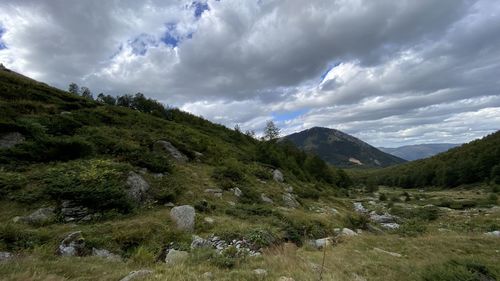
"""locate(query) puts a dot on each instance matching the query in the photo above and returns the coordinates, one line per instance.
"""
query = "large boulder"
(137, 187)
(11, 139)
(172, 151)
(183, 216)
(278, 176)
(72, 245)
(40, 216)
(136, 275)
(176, 257)
(290, 201)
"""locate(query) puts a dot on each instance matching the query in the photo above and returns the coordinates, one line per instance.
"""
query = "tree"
(271, 131)
(107, 99)
(250, 133)
(237, 128)
(74, 89)
(86, 93)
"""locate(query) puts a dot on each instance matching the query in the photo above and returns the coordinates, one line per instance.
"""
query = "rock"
(172, 150)
(347, 232)
(209, 220)
(284, 278)
(390, 225)
(103, 253)
(199, 242)
(387, 252)
(136, 274)
(176, 257)
(11, 139)
(289, 188)
(72, 245)
(358, 277)
(183, 216)
(384, 218)
(137, 187)
(334, 211)
(207, 275)
(278, 175)
(260, 273)
(169, 204)
(359, 231)
(359, 208)
(320, 243)
(231, 203)
(237, 192)
(214, 191)
(5, 256)
(495, 233)
(266, 199)
(290, 201)
(72, 212)
(40, 216)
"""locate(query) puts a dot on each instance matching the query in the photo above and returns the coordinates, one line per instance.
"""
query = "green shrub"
(382, 197)
(10, 182)
(356, 221)
(492, 198)
(458, 270)
(204, 206)
(229, 173)
(427, 213)
(154, 162)
(412, 228)
(249, 196)
(15, 237)
(229, 258)
(261, 237)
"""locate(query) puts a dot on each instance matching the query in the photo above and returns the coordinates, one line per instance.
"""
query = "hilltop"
(341, 149)
(418, 151)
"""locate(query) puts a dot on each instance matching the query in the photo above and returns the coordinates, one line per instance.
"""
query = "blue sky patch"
(289, 115)
(199, 8)
(141, 44)
(169, 38)
(2, 44)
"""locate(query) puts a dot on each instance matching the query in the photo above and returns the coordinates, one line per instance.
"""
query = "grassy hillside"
(340, 149)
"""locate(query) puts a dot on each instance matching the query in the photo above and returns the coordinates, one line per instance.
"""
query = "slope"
(418, 151)
(341, 149)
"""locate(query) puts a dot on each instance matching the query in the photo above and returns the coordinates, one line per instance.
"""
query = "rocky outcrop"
(11, 139)
(278, 176)
(220, 245)
(260, 273)
(39, 217)
(176, 257)
(216, 192)
(237, 192)
(134, 275)
(72, 245)
(72, 212)
(495, 233)
(290, 201)
(172, 151)
(137, 187)
(183, 216)
(359, 208)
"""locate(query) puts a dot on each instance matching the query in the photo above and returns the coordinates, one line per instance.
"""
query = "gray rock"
(495, 233)
(216, 192)
(278, 175)
(290, 201)
(137, 187)
(289, 188)
(103, 253)
(384, 218)
(199, 242)
(237, 192)
(176, 257)
(359, 208)
(11, 139)
(5, 256)
(266, 199)
(183, 216)
(72, 245)
(207, 275)
(387, 252)
(172, 150)
(209, 220)
(40, 216)
(136, 275)
(169, 204)
(73, 213)
(347, 232)
(391, 225)
(260, 272)
(322, 242)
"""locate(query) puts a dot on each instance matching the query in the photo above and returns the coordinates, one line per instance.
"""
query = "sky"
(390, 72)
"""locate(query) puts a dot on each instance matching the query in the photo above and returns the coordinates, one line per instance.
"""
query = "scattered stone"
(40, 216)
(495, 233)
(72, 245)
(323, 242)
(347, 232)
(260, 272)
(242, 246)
(278, 175)
(169, 204)
(11, 139)
(207, 275)
(136, 274)
(384, 218)
(231, 203)
(183, 217)
(103, 253)
(390, 226)
(199, 242)
(334, 211)
(290, 201)
(387, 252)
(284, 278)
(172, 150)
(71, 212)
(266, 199)
(359, 208)
(214, 191)
(5, 256)
(209, 220)
(359, 231)
(158, 175)
(176, 257)
(237, 192)
(137, 187)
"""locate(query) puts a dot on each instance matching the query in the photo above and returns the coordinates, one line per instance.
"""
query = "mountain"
(418, 151)
(341, 149)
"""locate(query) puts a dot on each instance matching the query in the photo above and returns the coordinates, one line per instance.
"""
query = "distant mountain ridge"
(341, 149)
(418, 151)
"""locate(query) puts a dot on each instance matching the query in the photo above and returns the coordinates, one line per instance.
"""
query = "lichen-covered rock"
(137, 187)
(199, 242)
(72, 245)
(266, 199)
(5, 256)
(136, 274)
(176, 257)
(260, 273)
(290, 201)
(359, 208)
(72, 212)
(11, 139)
(278, 176)
(184, 217)
(237, 192)
(347, 232)
(40, 216)
(172, 151)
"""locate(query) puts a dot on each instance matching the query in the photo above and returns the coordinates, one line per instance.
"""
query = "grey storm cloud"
(390, 72)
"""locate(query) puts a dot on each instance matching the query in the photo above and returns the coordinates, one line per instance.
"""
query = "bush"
(10, 182)
(15, 237)
(412, 228)
(229, 172)
(154, 162)
(455, 270)
(382, 197)
(356, 221)
(261, 238)
(229, 258)
(204, 206)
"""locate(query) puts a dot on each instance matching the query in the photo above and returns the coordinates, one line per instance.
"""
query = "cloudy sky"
(390, 72)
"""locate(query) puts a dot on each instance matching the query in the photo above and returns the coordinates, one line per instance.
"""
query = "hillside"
(418, 151)
(474, 162)
(341, 149)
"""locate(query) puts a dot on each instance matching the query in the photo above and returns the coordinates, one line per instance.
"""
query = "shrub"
(10, 182)
(458, 270)
(229, 172)
(229, 258)
(492, 198)
(204, 206)
(382, 197)
(249, 196)
(155, 162)
(356, 221)
(261, 237)
(14, 237)
(412, 228)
